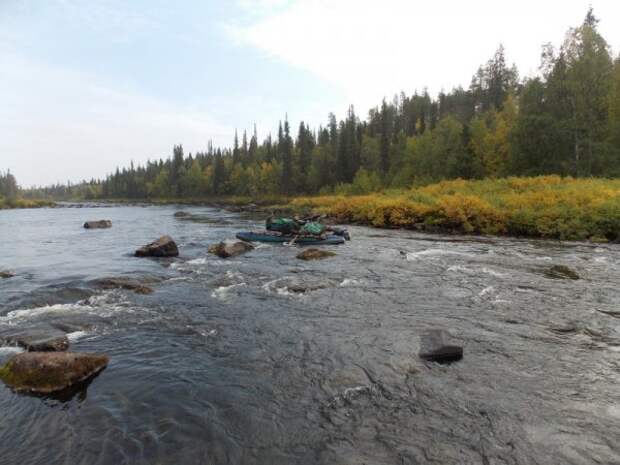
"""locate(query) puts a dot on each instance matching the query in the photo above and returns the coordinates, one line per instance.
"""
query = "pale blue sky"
(86, 85)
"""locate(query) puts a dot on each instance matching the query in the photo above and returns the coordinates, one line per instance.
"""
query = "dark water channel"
(223, 364)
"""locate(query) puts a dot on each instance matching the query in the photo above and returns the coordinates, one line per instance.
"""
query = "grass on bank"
(545, 206)
(6, 203)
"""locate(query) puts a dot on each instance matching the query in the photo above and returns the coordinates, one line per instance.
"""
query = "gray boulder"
(100, 224)
(162, 247)
(438, 345)
(48, 372)
(182, 214)
(230, 249)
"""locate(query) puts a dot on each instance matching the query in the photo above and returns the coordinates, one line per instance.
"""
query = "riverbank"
(549, 207)
(544, 207)
(6, 204)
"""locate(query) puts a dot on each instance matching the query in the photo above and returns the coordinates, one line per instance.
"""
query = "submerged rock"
(162, 247)
(100, 224)
(230, 249)
(38, 340)
(123, 283)
(6, 274)
(561, 272)
(182, 214)
(47, 372)
(438, 345)
(315, 254)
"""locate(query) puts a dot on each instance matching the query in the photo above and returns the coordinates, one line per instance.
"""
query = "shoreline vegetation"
(12, 203)
(547, 207)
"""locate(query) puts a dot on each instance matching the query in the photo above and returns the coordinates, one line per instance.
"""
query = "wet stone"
(123, 283)
(315, 254)
(48, 372)
(182, 214)
(6, 274)
(100, 224)
(38, 340)
(561, 272)
(439, 346)
(230, 249)
(162, 247)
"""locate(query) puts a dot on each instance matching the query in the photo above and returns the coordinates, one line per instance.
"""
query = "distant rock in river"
(6, 274)
(561, 272)
(47, 372)
(162, 247)
(315, 254)
(100, 224)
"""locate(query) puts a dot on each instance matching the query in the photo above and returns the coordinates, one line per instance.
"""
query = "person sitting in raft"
(285, 226)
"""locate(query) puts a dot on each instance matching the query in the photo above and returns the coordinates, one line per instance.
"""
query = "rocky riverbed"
(265, 358)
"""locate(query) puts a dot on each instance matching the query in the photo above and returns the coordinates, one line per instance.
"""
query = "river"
(225, 364)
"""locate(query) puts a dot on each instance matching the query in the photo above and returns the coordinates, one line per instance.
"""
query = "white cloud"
(372, 49)
(58, 124)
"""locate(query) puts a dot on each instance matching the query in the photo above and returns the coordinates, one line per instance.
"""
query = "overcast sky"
(88, 85)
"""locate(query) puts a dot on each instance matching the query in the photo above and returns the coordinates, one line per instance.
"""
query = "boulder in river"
(438, 345)
(123, 283)
(182, 214)
(162, 247)
(6, 274)
(230, 249)
(315, 254)
(38, 340)
(561, 272)
(47, 372)
(100, 224)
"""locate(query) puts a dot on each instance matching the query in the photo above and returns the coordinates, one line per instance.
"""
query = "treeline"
(8, 185)
(565, 121)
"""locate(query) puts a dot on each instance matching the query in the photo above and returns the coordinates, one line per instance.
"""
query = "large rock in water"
(438, 345)
(314, 254)
(101, 224)
(162, 247)
(47, 372)
(6, 274)
(230, 249)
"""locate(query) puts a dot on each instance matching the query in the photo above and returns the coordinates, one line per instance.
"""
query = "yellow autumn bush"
(543, 206)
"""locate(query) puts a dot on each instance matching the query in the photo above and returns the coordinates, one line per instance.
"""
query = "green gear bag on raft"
(313, 228)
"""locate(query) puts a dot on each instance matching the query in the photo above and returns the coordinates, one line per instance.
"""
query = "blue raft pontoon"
(267, 236)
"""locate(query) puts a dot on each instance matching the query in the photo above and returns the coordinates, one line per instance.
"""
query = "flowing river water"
(227, 362)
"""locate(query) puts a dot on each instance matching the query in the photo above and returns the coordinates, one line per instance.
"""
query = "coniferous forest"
(565, 121)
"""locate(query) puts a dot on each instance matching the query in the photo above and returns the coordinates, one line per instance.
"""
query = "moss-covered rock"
(47, 372)
(6, 274)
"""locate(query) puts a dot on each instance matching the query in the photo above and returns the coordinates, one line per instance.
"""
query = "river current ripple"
(224, 364)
